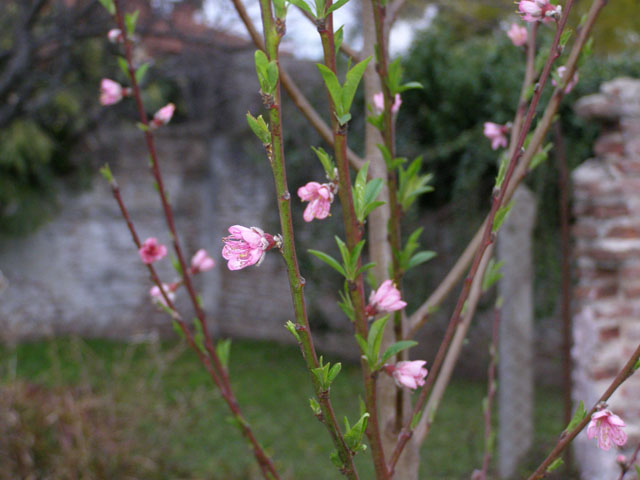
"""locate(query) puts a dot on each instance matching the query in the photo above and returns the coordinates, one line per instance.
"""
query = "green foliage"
(342, 95)
(365, 193)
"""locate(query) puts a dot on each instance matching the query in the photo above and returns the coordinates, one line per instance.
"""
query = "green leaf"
(260, 128)
(334, 371)
(564, 38)
(280, 9)
(332, 262)
(124, 66)
(502, 169)
(540, 157)
(338, 38)
(351, 83)
(130, 20)
(198, 338)
(292, 329)
(346, 305)
(141, 72)
(343, 119)
(557, 463)
(142, 126)
(363, 345)
(501, 214)
(420, 257)
(578, 416)
(327, 163)
(176, 265)
(411, 183)
(177, 328)
(411, 86)
(354, 256)
(223, 349)
(335, 459)
(334, 88)
(376, 331)
(109, 6)
(372, 190)
(353, 435)
(638, 471)
(397, 348)
(105, 171)
(335, 6)
(315, 406)
(365, 267)
(637, 365)
(302, 5)
(416, 419)
(346, 257)
(492, 274)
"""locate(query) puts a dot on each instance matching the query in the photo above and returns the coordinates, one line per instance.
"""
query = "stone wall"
(607, 265)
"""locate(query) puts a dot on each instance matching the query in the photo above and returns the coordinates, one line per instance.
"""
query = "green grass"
(173, 416)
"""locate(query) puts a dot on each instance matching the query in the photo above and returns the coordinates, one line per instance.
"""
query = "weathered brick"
(595, 292)
(609, 333)
(624, 231)
(610, 143)
(584, 230)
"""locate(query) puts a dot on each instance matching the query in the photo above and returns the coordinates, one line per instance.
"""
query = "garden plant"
(373, 254)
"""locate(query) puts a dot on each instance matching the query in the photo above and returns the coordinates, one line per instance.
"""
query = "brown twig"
(627, 465)
(491, 392)
(567, 437)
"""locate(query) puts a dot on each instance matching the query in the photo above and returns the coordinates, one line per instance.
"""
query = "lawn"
(101, 409)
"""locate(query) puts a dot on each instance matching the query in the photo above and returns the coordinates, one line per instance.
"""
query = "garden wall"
(607, 266)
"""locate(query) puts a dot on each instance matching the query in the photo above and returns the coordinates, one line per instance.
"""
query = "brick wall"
(607, 265)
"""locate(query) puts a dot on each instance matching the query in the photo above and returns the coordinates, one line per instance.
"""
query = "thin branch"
(567, 437)
(349, 51)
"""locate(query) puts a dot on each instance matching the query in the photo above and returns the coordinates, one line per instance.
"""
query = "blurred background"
(93, 383)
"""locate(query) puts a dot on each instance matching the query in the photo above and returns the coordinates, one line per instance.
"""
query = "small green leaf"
(492, 274)
(335, 6)
(346, 305)
(502, 169)
(130, 20)
(329, 260)
(338, 38)
(177, 328)
(327, 163)
(124, 66)
(292, 329)
(411, 86)
(334, 88)
(557, 463)
(334, 371)
(564, 38)
(637, 365)
(416, 419)
(260, 128)
(198, 338)
(353, 79)
(397, 348)
(578, 416)
(302, 5)
(420, 258)
(142, 126)
(374, 339)
(315, 406)
(141, 72)
(363, 345)
(105, 171)
(638, 471)
(223, 349)
(335, 459)
(109, 6)
(501, 214)
(540, 157)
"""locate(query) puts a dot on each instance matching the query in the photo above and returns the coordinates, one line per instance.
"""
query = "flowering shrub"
(371, 201)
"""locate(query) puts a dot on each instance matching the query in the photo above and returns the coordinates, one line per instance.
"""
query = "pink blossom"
(607, 427)
(201, 262)
(110, 92)
(115, 35)
(539, 10)
(319, 198)
(163, 116)
(621, 459)
(385, 299)
(410, 374)
(158, 298)
(496, 133)
(378, 103)
(246, 246)
(517, 34)
(151, 250)
(561, 73)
